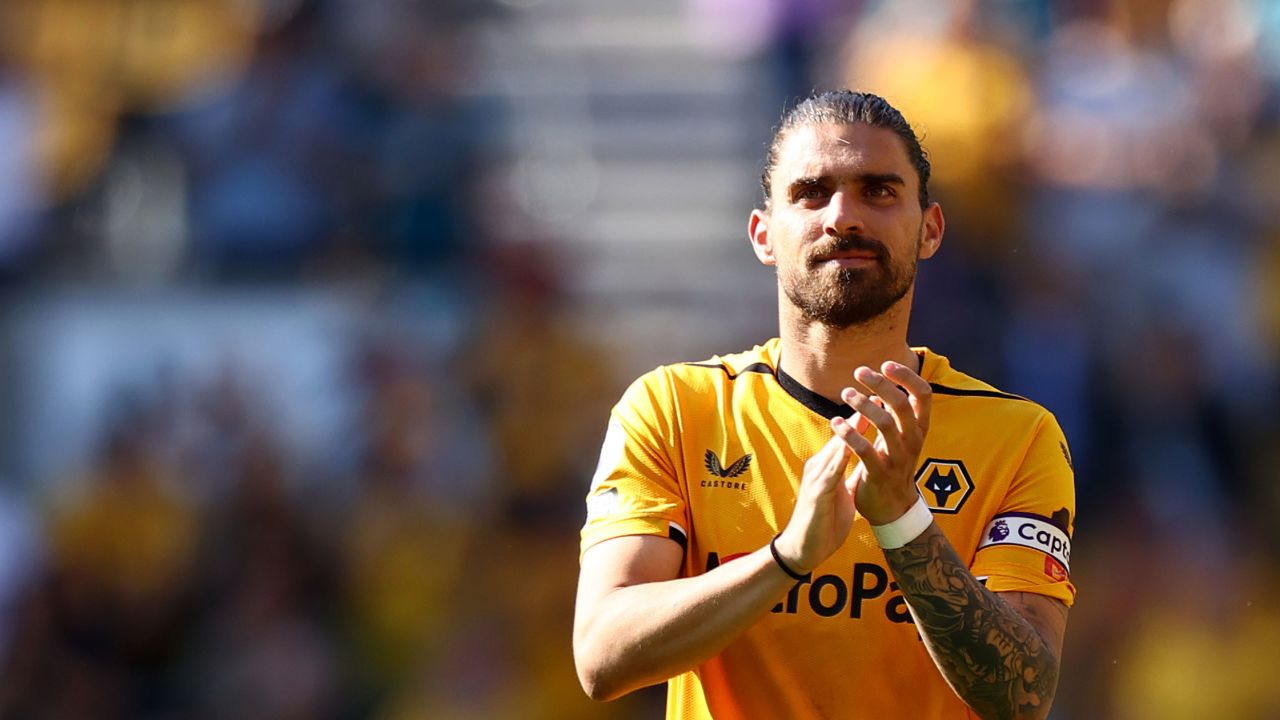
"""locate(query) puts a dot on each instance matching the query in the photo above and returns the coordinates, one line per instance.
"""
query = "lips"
(849, 262)
(852, 251)
(857, 255)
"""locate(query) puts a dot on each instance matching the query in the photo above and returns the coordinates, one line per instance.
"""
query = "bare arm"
(636, 623)
(999, 652)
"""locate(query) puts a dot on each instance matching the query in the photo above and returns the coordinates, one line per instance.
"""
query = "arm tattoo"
(993, 658)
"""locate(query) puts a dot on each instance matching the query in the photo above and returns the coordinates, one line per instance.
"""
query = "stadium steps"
(638, 149)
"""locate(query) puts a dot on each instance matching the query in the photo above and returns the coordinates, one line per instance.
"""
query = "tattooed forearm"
(993, 657)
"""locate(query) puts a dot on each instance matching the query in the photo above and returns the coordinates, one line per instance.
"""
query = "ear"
(758, 233)
(931, 230)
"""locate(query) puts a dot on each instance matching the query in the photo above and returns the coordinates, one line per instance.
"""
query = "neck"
(823, 358)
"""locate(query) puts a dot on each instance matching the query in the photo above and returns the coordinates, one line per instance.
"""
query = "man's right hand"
(637, 622)
(824, 511)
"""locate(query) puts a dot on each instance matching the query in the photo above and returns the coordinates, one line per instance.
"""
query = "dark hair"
(847, 107)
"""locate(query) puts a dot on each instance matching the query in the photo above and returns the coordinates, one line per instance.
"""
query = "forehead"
(841, 150)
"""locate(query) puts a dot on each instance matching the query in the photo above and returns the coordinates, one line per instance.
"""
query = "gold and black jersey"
(709, 454)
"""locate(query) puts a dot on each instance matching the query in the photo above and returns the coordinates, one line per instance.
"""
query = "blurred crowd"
(1110, 170)
(420, 567)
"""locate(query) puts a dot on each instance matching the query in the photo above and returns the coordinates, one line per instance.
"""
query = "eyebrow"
(881, 179)
(863, 178)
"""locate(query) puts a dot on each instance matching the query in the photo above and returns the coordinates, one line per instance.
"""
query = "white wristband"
(913, 522)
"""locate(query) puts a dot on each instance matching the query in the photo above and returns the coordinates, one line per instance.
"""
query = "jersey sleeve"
(1026, 546)
(636, 488)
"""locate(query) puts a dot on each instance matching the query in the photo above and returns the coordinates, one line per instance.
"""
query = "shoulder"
(954, 389)
(705, 376)
(760, 360)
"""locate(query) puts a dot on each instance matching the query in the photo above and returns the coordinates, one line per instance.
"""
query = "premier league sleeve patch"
(1033, 531)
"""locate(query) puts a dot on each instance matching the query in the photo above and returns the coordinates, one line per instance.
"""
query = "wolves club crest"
(944, 484)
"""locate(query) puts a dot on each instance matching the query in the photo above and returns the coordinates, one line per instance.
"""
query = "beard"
(844, 297)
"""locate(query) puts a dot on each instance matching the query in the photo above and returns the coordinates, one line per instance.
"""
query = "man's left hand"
(896, 401)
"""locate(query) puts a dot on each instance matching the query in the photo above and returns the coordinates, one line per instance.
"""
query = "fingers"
(907, 395)
(828, 462)
(849, 436)
(877, 415)
(894, 397)
(835, 468)
(834, 454)
(897, 402)
(921, 394)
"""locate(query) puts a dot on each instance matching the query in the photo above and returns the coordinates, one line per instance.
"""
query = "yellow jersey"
(709, 454)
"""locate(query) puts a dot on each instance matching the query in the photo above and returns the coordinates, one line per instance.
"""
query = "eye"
(879, 191)
(809, 193)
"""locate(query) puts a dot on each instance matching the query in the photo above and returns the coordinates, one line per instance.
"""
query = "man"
(833, 524)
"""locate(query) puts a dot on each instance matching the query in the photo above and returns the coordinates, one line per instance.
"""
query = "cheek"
(800, 234)
(908, 232)
(793, 236)
(796, 252)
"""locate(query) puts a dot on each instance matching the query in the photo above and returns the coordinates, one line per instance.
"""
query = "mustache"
(851, 242)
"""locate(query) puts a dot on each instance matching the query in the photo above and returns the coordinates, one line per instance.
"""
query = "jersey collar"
(829, 408)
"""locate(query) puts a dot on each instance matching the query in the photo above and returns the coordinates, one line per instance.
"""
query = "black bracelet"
(778, 559)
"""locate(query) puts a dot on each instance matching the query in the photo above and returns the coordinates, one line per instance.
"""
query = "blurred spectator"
(264, 158)
(21, 557)
(543, 388)
(1203, 651)
(1170, 412)
(123, 550)
(1049, 355)
(1111, 131)
(22, 185)
(125, 537)
(958, 299)
(1266, 296)
(424, 139)
(966, 93)
(422, 491)
(789, 36)
(262, 650)
(143, 207)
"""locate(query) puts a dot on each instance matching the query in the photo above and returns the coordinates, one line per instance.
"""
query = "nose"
(843, 215)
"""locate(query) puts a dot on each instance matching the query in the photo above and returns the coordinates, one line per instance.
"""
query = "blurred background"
(312, 311)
